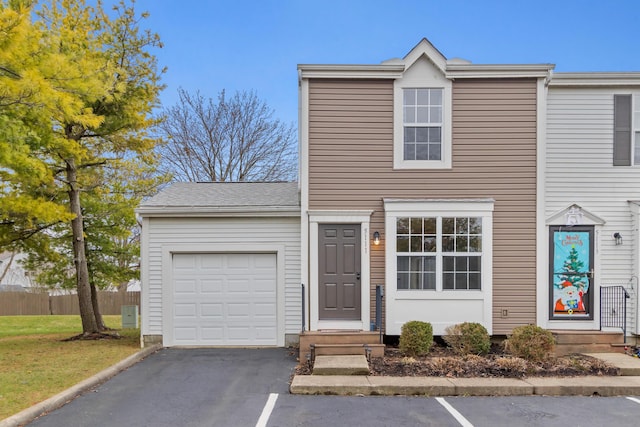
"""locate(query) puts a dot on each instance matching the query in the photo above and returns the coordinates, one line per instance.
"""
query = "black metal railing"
(379, 295)
(613, 308)
(304, 320)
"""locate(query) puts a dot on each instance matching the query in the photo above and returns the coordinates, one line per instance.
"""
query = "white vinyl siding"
(579, 170)
(216, 235)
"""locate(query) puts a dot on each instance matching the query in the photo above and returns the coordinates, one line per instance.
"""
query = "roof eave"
(328, 71)
(457, 71)
(213, 211)
(596, 79)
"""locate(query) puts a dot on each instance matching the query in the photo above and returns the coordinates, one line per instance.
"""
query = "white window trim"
(635, 127)
(397, 208)
(421, 80)
(363, 218)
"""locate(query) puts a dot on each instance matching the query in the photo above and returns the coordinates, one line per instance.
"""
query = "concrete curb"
(29, 414)
(436, 386)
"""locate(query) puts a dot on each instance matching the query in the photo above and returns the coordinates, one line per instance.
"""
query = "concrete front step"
(587, 337)
(341, 365)
(336, 337)
(377, 350)
(565, 349)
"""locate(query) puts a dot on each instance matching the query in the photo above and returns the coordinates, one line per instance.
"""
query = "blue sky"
(256, 45)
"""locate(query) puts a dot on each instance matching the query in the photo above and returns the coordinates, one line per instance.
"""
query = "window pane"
(435, 134)
(415, 264)
(462, 244)
(434, 152)
(429, 281)
(475, 244)
(475, 225)
(409, 115)
(462, 225)
(435, 114)
(447, 243)
(409, 151)
(429, 263)
(416, 243)
(414, 280)
(448, 263)
(409, 97)
(447, 225)
(474, 281)
(422, 115)
(402, 244)
(416, 225)
(430, 244)
(402, 226)
(474, 263)
(403, 280)
(461, 281)
(461, 263)
(430, 226)
(409, 134)
(436, 97)
(447, 281)
(422, 134)
(423, 96)
(422, 151)
(403, 263)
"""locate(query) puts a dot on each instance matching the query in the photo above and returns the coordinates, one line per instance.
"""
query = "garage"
(224, 299)
(220, 265)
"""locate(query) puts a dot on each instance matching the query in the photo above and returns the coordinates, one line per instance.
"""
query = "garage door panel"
(210, 286)
(225, 299)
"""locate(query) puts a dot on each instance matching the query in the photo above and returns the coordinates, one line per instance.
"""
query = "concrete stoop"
(341, 365)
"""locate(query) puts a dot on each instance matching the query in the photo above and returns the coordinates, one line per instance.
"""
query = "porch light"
(618, 238)
(376, 238)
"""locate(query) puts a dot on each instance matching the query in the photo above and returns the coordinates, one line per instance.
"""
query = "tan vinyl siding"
(494, 156)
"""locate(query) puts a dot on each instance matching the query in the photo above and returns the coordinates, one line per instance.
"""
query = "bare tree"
(233, 139)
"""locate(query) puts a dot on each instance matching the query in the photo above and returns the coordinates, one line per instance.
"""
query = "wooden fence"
(24, 303)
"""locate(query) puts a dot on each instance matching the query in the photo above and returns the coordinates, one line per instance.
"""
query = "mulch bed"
(442, 362)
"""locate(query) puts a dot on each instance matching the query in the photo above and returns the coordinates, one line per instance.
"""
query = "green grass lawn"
(36, 364)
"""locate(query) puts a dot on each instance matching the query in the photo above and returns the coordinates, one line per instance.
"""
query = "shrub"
(468, 338)
(531, 343)
(416, 338)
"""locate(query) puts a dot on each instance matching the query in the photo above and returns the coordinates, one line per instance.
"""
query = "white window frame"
(422, 74)
(412, 303)
(440, 254)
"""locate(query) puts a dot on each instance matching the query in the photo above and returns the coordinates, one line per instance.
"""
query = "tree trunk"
(96, 308)
(87, 314)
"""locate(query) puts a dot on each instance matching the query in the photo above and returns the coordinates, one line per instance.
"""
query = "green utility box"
(129, 317)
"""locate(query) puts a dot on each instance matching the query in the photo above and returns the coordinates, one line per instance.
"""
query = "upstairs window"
(422, 121)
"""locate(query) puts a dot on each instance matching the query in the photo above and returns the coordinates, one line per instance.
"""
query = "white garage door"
(224, 299)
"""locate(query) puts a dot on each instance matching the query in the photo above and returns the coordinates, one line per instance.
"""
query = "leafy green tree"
(102, 83)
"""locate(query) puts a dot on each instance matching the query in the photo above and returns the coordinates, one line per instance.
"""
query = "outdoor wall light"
(376, 238)
(618, 238)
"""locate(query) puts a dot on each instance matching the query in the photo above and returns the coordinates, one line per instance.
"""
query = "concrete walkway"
(628, 383)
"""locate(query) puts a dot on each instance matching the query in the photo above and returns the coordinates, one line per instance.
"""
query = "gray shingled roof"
(224, 196)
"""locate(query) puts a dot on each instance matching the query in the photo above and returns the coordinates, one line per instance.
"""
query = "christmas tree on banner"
(572, 269)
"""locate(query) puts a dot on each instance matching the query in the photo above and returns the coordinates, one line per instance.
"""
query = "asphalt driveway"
(183, 387)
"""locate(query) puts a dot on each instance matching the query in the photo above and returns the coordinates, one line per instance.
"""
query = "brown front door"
(339, 271)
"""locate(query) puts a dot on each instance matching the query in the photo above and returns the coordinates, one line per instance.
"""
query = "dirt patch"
(442, 362)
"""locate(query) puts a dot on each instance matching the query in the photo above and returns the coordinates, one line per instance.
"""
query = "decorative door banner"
(571, 263)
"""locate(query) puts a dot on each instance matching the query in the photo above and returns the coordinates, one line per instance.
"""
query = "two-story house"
(420, 174)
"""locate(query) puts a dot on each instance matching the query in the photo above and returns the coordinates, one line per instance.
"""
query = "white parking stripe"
(266, 411)
(634, 399)
(457, 415)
